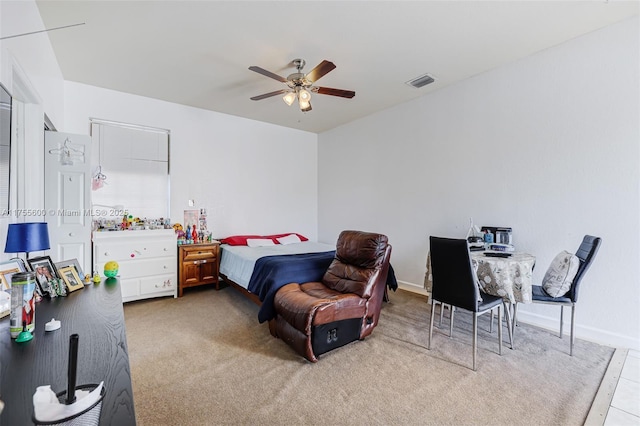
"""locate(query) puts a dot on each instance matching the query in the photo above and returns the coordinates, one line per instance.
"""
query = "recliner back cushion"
(363, 249)
(350, 279)
(359, 257)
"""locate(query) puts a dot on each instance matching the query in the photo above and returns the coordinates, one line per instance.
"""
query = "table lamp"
(27, 237)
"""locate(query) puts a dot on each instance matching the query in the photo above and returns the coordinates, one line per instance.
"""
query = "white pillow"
(289, 239)
(260, 242)
(559, 277)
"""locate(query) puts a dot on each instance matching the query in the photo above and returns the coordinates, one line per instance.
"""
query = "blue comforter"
(272, 272)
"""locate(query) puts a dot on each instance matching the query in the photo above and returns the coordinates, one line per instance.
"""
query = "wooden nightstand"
(198, 264)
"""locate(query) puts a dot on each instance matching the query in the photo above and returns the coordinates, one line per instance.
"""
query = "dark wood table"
(95, 313)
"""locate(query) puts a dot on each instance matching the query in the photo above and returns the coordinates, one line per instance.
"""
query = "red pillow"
(238, 240)
(241, 240)
(275, 237)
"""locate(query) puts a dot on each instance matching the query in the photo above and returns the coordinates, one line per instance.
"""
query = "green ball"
(111, 269)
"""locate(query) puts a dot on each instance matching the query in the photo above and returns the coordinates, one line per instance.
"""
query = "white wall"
(33, 54)
(29, 70)
(252, 177)
(548, 145)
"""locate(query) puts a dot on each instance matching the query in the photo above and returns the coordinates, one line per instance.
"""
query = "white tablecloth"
(509, 278)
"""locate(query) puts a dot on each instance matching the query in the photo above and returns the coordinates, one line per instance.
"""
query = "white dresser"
(147, 259)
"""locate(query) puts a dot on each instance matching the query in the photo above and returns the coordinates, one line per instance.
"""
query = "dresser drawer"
(144, 267)
(134, 250)
(129, 288)
(158, 284)
(199, 253)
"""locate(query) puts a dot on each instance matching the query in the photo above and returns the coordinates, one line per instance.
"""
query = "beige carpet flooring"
(204, 359)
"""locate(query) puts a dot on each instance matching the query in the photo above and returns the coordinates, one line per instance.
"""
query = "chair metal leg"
(515, 312)
(433, 313)
(499, 328)
(452, 310)
(475, 339)
(573, 314)
(510, 329)
(441, 313)
(561, 319)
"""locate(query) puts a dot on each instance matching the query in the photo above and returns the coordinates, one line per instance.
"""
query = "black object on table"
(497, 254)
(96, 315)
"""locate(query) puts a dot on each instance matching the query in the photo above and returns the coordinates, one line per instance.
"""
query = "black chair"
(455, 283)
(586, 252)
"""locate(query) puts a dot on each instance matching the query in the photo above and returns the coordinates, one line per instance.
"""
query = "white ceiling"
(198, 52)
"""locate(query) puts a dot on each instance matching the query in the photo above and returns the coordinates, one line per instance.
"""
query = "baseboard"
(592, 334)
(415, 288)
(582, 332)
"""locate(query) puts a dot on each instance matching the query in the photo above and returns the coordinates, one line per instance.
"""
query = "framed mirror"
(5, 149)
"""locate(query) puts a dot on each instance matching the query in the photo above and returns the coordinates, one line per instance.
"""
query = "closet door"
(67, 171)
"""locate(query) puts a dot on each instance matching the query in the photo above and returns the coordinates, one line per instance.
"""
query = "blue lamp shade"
(27, 237)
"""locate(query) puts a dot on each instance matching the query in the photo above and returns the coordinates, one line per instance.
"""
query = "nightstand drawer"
(199, 253)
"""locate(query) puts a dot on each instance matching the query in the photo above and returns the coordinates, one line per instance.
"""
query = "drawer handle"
(198, 262)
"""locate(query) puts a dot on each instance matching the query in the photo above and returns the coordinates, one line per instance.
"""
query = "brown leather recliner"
(316, 317)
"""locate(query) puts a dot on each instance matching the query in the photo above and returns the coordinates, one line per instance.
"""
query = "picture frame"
(70, 262)
(7, 269)
(70, 277)
(190, 218)
(45, 270)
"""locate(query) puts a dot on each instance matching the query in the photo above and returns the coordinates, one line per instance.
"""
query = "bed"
(301, 262)
(258, 272)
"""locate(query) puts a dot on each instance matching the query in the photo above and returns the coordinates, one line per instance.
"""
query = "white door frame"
(27, 150)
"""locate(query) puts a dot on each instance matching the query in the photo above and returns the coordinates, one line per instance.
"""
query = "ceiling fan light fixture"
(300, 85)
(305, 106)
(289, 98)
(304, 95)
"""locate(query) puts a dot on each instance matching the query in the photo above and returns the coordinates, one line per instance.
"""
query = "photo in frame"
(190, 218)
(71, 278)
(70, 262)
(45, 271)
(7, 269)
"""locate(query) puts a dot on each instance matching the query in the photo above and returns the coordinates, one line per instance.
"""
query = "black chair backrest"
(586, 252)
(454, 280)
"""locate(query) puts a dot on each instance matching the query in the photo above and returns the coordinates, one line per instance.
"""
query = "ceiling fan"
(300, 85)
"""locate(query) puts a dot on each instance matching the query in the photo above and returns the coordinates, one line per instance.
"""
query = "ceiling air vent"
(423, 80)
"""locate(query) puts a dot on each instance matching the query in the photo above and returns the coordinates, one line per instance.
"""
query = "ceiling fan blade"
(268, 73)
(335, 92)
(320, 70)
(268, 95)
